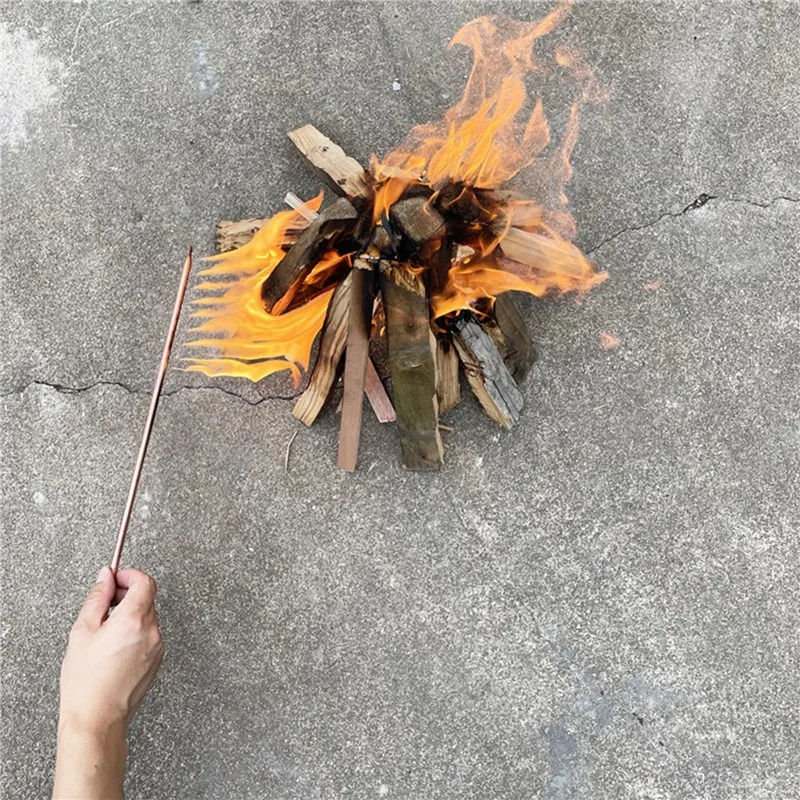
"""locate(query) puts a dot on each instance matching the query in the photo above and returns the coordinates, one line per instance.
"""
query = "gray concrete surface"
(602, 603)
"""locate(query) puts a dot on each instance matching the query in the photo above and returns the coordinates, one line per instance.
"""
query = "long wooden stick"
(331, 348)
(151, 413)
(355, 366)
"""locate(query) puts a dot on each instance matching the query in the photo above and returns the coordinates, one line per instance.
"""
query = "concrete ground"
(602, 603)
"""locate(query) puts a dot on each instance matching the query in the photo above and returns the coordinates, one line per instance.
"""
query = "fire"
(471, 282)
(499, 241)
(252, 342)
(481, 143)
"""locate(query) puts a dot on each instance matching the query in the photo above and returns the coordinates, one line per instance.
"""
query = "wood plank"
(486, 372)
(412, 360)
(313, 241)
(331, 349)
(355, 367)
(343, 173)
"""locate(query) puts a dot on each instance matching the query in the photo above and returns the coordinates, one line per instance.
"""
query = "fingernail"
(102, 575)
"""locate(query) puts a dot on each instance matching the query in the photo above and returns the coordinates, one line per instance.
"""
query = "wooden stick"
(331, 348)
(355, 367)
(299, 205)
(307, 249)
(412, 359)
(344, 174)
(486, 371)
(377, 396)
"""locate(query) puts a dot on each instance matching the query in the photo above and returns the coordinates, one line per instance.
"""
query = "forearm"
(90, 765)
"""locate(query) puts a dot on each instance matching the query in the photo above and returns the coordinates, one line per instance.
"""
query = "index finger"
(138, 590)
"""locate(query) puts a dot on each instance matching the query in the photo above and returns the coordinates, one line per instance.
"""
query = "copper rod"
(151, 414)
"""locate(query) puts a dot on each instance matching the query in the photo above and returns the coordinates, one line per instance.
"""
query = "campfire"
(425, 248)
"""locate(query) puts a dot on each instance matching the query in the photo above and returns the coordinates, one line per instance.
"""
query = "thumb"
(95, 608)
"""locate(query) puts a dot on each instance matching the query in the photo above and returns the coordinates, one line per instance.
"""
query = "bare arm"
(110, 663)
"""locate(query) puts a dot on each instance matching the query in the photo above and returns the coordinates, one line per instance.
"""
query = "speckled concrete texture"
(602, 603)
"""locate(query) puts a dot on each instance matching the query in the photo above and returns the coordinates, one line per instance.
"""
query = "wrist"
(90, 761)
(103, 733)
(92, 718)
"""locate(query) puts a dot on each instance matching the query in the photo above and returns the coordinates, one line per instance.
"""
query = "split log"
(417, 219)
(486, 371)
(543, 253)
(231, 235)
(344, 174)
(412, 361)
(355, 367)
(331, 348)
(307, 249)
(448, 389)
(512, 337)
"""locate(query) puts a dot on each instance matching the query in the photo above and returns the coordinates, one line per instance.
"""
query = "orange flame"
(468, 283)
(252, 342)
(480, 141)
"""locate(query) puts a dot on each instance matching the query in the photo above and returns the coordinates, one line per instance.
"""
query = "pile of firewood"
(430, 262)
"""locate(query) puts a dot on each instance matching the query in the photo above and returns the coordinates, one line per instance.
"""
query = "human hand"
(113, 655)
(111, 661)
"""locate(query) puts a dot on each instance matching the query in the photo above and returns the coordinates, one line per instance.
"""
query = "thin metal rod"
(151, 414)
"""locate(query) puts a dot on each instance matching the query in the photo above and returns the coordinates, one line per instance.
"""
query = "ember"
(427, 241)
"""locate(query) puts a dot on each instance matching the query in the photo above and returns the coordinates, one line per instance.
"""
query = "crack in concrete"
(698, 202)
(62, 389)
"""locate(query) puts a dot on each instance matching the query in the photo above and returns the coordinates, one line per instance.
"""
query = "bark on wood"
(486, 371)
(448, 389)
(417, 219)
(355, 368)
(412, 360)
(232, 235)
(331, 348)
(513, 339)
(307, 249)
(345, 175)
